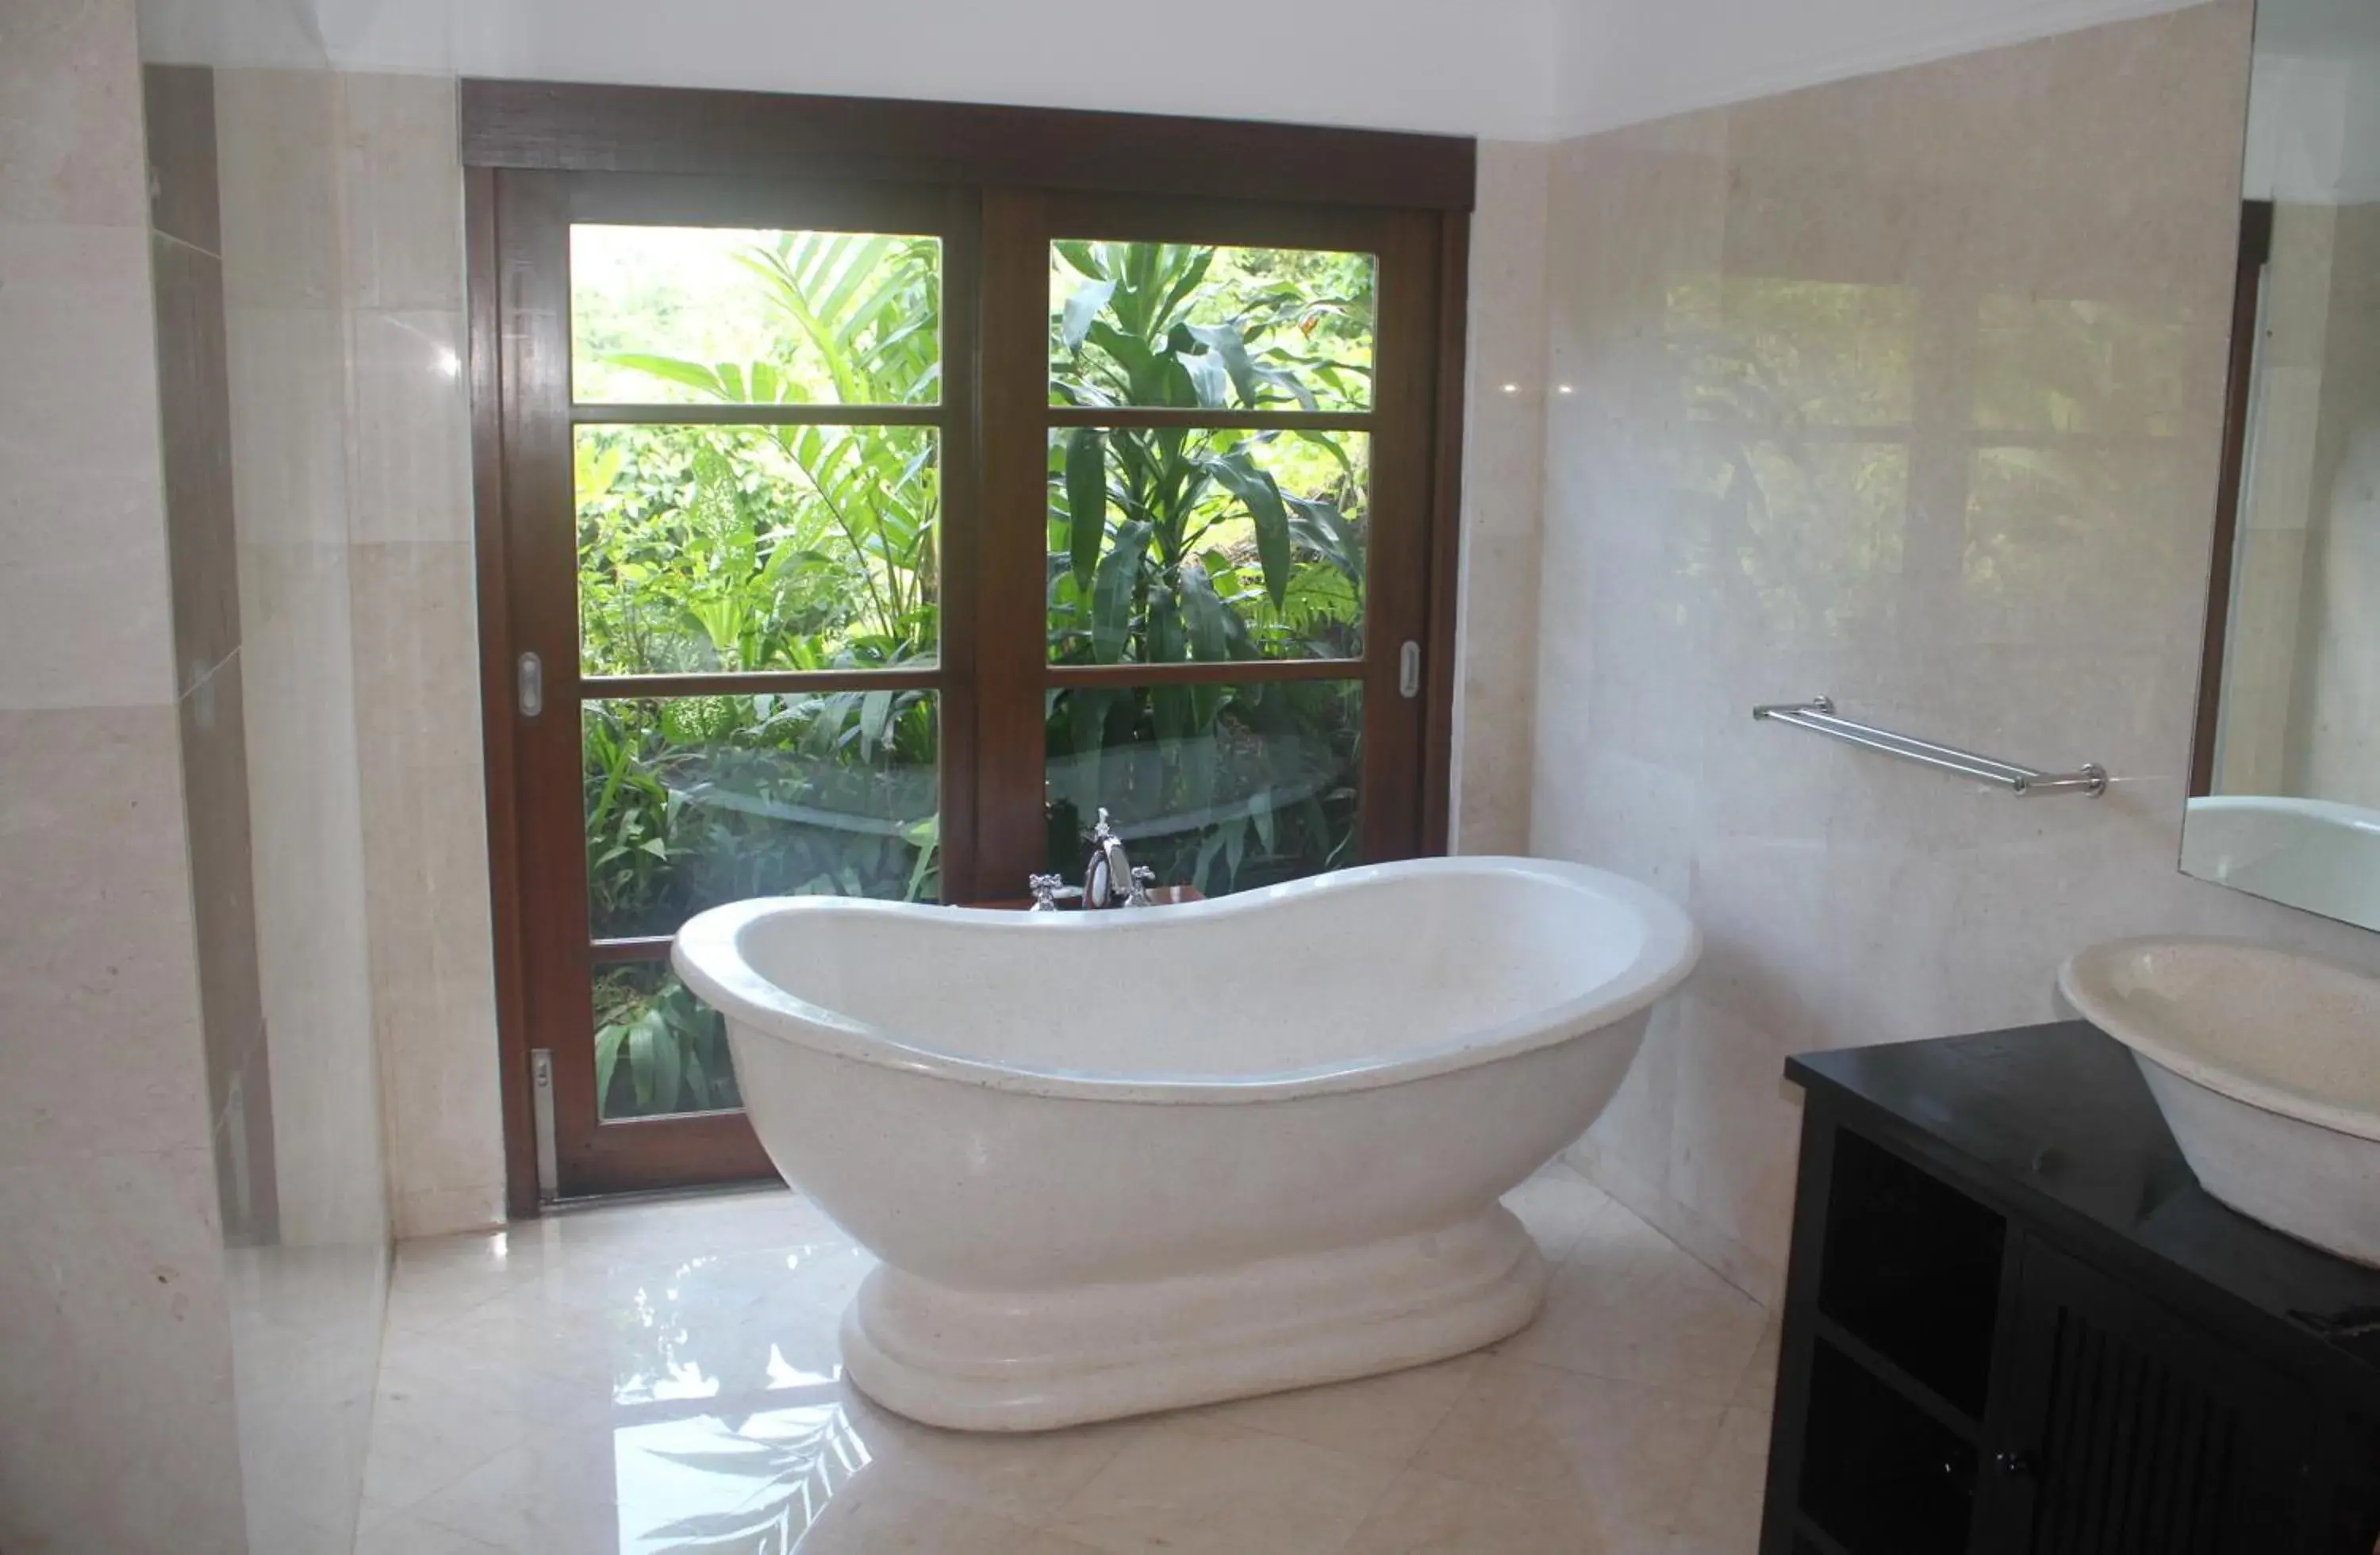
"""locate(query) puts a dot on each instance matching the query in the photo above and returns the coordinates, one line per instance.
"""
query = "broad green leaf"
(1084, 256)
(1082, 308)
(875, 721)
(669, 1063)
(640, 1061)
(1087, 498)
(1238, 474)
(1171, 706)
(1224, 342)
(608, 1042)
(1111, 594)
(1208, 379)
(1207, 619)
(1139, 363)
(1167, 642)
(1192, 273)
(694, 376)
(1323, 529)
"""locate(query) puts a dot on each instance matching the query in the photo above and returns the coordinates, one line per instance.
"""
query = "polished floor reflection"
(662, 1376)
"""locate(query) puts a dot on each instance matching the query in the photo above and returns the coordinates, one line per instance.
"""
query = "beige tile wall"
(1907, 390)
(306, 1307)
(116, 1430)
(417, 654)
(1503, 489)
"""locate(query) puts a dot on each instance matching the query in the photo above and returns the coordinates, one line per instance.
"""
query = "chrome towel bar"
(1818, 715)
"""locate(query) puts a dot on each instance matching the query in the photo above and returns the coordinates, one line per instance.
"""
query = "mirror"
(2285, 785)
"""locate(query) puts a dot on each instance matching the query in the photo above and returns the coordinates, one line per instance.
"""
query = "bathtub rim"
(707, 954)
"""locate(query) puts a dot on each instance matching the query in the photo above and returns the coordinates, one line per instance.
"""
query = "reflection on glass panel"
(1210, 545)
(1770, 353)
(1799, 479)
(1187, 324)
(2038, 550)
(684, 315)
(693, 801)
(1808, 536)
(2060, 365)
(757, 548)
(658, 1050)
(1221, 788)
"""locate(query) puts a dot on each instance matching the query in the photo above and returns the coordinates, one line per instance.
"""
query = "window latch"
(1409, 671)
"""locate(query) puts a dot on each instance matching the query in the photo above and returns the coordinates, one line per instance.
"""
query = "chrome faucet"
(1110, 880)
(1050, 890)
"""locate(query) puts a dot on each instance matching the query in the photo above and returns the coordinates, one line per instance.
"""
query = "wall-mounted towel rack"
(1818, 715)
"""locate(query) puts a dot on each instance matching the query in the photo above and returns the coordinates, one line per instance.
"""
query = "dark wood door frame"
(2239, 403)
(1010, 171)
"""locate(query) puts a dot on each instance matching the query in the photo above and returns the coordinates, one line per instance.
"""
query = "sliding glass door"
(869, 539)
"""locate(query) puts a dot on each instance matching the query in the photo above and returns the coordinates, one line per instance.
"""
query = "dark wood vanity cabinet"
(2015, 1325)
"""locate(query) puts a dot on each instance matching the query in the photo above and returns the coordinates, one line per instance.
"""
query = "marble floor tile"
(1626, 1455)
(870, 1521)
(1721, 1515)
(1194, 1486)
(555, 1489)
(1758, 1388)
(1384, 1417)
(1631, 1306)
(431, 1425)
(1556, 1205)
(1428, 1515)
(1031, 1477)
(665, 1376)
(401, 1532)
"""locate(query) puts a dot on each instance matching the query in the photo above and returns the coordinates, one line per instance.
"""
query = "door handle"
(530, 685)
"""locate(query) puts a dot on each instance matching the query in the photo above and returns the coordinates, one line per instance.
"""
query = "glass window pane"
(681, 315)
(1210, 545)
(658, 1050)
(1204, 325)
(693, 801)
(1222, 787)
(757, 548)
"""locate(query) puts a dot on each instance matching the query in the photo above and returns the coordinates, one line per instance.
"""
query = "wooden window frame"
(2239, 403)
(1014, 167)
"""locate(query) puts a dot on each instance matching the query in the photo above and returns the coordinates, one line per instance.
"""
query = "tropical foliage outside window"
(1208, 546)
(725, 548)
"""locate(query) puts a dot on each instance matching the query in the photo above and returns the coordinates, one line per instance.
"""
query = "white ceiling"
(2319, 28)
(1478, 67)
(1524, 69)
(1626, 61)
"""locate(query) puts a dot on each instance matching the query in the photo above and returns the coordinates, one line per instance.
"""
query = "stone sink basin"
(2266, 1065)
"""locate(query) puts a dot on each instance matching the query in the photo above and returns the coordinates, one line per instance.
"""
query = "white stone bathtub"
(1138, 1160)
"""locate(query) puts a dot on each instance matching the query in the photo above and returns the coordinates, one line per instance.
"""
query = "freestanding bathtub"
(1130, 1161)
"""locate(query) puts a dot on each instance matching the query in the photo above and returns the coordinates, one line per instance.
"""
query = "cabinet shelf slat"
(1949, 1417)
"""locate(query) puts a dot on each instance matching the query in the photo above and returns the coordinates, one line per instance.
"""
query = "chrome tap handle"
(1143, 877)
(1048, 891)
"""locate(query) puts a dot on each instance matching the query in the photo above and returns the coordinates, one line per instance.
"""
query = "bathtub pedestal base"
(1025, 1361)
